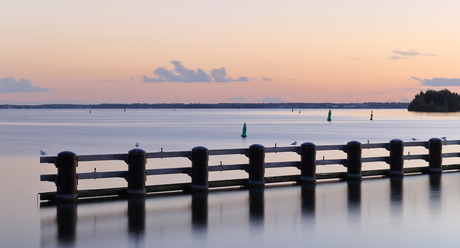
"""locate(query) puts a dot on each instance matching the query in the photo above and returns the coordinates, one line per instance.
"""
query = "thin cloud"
(10, 85)
(267, 79)
(180, 74)
(409, 54)
(438, 82)
(267, 99)
(107, 80)
(353, 58)
(239, 99)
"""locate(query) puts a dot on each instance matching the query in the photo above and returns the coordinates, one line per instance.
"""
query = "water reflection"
(396, 197)
(199, 211)
(66, 220)
(354, 204)
(308, 194)
(435, 193)
(136, 217)
(256, 206)
(203, 219)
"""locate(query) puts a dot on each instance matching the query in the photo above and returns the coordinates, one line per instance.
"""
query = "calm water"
(415, 211)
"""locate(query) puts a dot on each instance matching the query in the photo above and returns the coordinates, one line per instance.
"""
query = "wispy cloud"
(239, 99)
(270, 99)
(353, 58)
(107, 80)
(10, 85)
(267, 79)
(408, 54)
(181, 74)
(438, 82)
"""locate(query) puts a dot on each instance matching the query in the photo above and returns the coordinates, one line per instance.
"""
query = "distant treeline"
(367, 105)
(435, 101)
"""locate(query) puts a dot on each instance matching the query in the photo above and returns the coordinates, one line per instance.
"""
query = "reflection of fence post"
(396, 157)
(256, 168)
(308, 162)
(435, 155)
(354, 162)
(136, 172)
(66, 180)
(66, 220)
(200, 158)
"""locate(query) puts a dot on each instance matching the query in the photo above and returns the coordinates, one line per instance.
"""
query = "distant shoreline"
(366, 105)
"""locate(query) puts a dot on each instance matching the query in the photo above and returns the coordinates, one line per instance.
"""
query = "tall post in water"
(372, 115)
(435, 156)
(329, 115)
(66, 180)
(136, 172)
(354, 162)
(308, 162)
(200, 158)
(396, 157)
(256, 168)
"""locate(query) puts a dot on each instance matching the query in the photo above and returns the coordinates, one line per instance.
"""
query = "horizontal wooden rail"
(177, 154)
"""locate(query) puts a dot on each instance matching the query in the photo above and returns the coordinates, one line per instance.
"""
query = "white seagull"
(443, 138)
(294, 143)
(414, 139)
(42, 153)
(137, 145)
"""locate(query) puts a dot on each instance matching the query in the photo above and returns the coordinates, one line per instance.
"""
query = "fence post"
(136, 172)
(396, 157)
(256, 168)
(200, 158)
(308, 162)
(354, 162)
(435, 155)
(66, 180)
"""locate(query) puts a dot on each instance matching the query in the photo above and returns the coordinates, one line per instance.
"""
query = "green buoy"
(329, 115)
(244, 131)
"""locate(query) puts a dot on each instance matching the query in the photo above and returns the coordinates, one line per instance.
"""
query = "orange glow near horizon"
(295, 51)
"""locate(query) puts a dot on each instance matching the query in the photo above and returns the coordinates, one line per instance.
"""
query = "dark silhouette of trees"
(435, 101)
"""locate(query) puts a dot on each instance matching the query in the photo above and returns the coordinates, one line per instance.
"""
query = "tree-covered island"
(435, 101)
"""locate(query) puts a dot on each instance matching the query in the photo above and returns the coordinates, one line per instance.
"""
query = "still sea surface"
(416, 211)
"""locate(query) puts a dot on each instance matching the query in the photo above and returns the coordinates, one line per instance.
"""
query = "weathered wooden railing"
(66, 163)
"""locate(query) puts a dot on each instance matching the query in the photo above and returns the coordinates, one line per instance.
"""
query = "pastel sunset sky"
(207, 51)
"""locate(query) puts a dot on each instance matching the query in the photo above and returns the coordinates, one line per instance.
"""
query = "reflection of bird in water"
(414, 139)
(294, 143)
(137, 145)
(42, 153)
(443, 138)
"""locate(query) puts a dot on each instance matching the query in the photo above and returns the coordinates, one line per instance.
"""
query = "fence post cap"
(308, 144)
(64, 153)
(199, 148)
(136, 151)
(354, 142)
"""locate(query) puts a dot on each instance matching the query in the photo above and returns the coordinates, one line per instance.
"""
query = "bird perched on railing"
(294, 143)
(42, 153)
(137, 145)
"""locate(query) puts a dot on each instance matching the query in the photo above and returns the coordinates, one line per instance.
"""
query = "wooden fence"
(66, 163)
